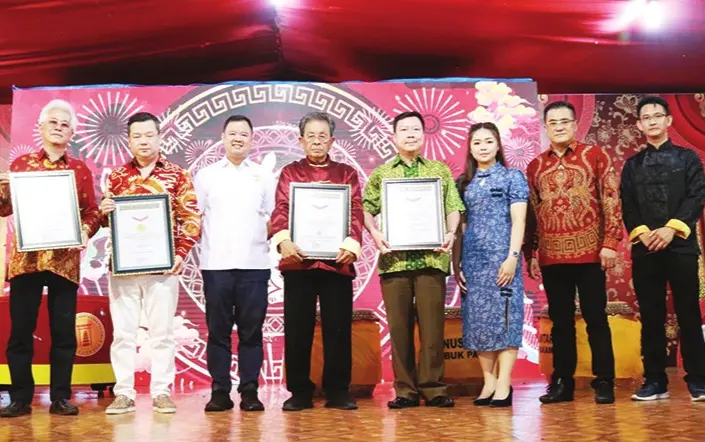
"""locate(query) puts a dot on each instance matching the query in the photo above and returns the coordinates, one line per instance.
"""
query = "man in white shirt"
(236, 199)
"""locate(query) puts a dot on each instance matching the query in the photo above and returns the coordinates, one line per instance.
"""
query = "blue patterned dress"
(493, 316)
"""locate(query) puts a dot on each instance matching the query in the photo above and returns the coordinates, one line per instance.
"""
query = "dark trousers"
(235, 297)
(409, 297)
(560, 282)
(650, 273)
(335, 291)
(25, 299)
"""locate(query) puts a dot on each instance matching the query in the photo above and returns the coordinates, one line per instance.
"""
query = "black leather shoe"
(342, 402)
(63, 407)
(506, 402)
(561, 390)
(220, 401)
(250, 402)
(16, 409)
(403, 402)
(440, 402)
(483, 402)
(604, 392)
(297, 403)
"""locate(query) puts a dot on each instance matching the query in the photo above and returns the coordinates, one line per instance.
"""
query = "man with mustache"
(414, 282)
(236, 199)
(307, 280)
(58, 270)
(663, 193)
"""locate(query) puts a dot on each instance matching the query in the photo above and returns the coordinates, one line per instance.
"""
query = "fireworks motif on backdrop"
(375, 133)
(197, 148)
(445, 120)
(19, 150)
(519, 151)
(497, 104)
(102, 127)
(37, 135)
(174, 138)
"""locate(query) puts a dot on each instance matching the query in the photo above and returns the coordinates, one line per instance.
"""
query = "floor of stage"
(676, 419)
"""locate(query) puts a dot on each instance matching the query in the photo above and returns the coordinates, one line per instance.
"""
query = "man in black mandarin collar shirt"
(663, 192)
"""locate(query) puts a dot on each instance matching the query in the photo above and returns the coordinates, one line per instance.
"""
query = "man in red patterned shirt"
(149, 172)
(308, 280)
(575, 226)
(58, 270)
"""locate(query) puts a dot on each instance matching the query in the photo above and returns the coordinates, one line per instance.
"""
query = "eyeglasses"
(53, 124)
(655, 117)
(311, 138)
(560, 123)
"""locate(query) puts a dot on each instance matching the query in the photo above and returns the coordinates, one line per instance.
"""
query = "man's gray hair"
(59, 105)
(316, 116)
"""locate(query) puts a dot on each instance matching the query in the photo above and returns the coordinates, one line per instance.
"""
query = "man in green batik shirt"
(414, 274)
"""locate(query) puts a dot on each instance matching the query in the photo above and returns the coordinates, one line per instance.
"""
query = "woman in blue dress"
(487, 262)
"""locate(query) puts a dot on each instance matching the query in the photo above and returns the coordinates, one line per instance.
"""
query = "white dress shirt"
(236, 203)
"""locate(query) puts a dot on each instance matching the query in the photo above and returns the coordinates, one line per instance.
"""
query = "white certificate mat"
(412, 213)
(319, 218)
(45, 209)
(142, 238)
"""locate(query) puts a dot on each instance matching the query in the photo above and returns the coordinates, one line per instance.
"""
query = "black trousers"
(235, 297)
(25, 299)
(650, 273)
(560, 282)
(335, 292)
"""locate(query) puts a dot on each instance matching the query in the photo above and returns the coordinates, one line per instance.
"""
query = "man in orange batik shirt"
(149, 172)
(58, 270)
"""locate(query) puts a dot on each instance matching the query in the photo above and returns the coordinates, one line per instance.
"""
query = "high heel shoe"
(483, 402)
(506, 402)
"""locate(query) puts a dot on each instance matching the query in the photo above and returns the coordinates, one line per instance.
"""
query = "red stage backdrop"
(192, 118)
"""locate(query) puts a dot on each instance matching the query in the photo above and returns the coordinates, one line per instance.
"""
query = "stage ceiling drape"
(564, 46)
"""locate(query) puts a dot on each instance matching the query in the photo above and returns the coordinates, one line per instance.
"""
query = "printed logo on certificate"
(319, 218)
(412, 213)
(142, 235)
(45, 210)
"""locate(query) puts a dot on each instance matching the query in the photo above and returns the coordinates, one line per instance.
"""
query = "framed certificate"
(45, 210)
(142, 235)
(412, 213)
(319, 218)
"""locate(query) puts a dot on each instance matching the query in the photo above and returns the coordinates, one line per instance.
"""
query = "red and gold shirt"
(64, 262)
(166, 177)
(330, 172)
(575, 207)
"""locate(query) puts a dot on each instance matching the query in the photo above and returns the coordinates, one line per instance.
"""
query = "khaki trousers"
(409, 297)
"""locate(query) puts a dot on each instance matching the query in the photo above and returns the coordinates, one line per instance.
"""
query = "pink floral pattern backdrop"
(192, 118)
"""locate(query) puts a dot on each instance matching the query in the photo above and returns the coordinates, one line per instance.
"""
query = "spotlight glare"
(653, 15)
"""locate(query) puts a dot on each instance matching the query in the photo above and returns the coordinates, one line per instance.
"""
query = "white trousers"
(156, 296)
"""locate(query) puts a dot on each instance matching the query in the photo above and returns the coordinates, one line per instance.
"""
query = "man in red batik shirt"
(155, 294)
(58, 270)
(575, 225)
(306, 280)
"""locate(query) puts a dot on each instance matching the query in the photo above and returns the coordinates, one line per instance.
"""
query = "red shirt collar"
(43, 155)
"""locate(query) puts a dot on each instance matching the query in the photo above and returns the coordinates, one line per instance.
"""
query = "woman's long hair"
(471, 162)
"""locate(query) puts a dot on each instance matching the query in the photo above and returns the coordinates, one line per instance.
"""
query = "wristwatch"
(514, 254)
